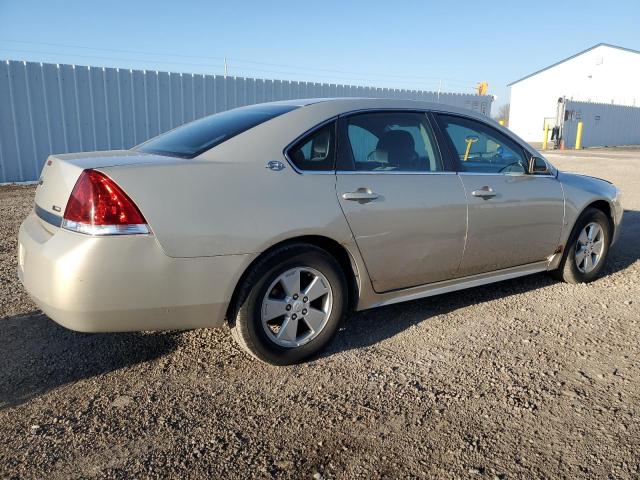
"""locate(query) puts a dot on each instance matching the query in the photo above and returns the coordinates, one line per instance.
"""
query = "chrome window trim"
(371, 172)
(335, 118)
(391, 172)
(384, 110)
(523, 174)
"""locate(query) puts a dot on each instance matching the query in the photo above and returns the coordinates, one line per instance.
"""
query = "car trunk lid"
(61, 171)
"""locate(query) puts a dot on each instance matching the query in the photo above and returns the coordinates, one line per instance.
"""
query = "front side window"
(480, 148)
(390, 141)
(194, 138)
(316, 151)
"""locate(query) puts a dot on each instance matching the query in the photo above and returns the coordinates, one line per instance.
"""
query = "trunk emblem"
(275, 165)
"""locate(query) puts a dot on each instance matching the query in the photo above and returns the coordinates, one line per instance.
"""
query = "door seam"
(466, 231)
(353, 235)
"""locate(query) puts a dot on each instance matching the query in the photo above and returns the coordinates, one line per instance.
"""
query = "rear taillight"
(97, 206)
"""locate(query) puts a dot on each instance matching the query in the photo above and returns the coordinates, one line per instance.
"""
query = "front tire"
(290, 304)
(587, 248)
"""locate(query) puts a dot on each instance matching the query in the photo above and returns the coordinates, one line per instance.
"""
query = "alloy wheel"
(589, 247)
(296, 307)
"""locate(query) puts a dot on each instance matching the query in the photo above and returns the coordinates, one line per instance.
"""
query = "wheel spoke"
(315, 318)
(291, 282)
(583, 238)
(593, 231)
(272, 308)
(288, 330)
(316, 289)
(580, 254)
(598, 247)
(587, 263)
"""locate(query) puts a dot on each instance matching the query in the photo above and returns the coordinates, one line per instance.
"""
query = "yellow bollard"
(546, 136)
(579, 136)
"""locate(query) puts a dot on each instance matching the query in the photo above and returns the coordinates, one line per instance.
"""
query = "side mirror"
(538, 165)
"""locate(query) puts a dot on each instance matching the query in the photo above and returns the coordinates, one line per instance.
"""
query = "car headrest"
(320, 146)
(399, 144)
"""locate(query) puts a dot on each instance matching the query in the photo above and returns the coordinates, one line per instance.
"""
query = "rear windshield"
(192, 139)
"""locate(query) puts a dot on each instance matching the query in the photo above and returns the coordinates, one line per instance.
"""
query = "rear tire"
(300, 327)
(584, 257)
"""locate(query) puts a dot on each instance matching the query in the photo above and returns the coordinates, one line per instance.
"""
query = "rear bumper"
(122, 283)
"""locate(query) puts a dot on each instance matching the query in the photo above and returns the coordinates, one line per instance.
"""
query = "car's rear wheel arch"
(337, 251)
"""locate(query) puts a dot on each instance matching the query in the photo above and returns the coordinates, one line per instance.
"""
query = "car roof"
(319, 109)
(347, 104)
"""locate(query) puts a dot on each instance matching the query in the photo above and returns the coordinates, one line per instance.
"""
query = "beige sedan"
(280, 218)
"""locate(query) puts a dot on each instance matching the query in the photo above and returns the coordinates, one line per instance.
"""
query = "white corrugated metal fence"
(49, 108)
(603, 124)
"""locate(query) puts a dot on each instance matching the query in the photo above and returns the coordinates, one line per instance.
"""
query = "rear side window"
(316, 151)
(192, 139)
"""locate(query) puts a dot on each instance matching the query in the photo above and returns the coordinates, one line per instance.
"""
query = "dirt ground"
(525, 378)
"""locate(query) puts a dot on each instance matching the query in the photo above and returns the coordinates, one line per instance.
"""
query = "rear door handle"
(484, 192)
(362, 195)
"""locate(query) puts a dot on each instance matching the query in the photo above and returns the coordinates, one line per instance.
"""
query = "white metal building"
(603, 74)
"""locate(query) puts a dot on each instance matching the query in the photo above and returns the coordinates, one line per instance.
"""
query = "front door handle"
(362, 195)
(485, 192)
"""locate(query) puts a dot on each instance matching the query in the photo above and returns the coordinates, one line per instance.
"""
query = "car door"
(406, 209)
(515, 218)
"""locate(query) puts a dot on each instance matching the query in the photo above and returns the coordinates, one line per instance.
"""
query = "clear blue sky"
(392, 43)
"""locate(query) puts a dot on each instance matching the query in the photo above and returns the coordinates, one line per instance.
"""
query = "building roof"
(574, 56)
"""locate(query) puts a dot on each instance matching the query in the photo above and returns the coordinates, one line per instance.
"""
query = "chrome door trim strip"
(504, 174)
(390, 172)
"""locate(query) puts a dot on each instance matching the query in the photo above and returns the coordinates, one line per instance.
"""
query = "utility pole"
(439, 88)
(225, 66)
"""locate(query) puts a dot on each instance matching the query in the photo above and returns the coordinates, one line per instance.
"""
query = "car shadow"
(38, 355)
(627, 250)
(369, 327)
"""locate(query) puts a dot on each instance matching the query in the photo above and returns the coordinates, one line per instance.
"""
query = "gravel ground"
(525, 378)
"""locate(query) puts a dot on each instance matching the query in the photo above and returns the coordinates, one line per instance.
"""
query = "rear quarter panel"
(228, 202)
